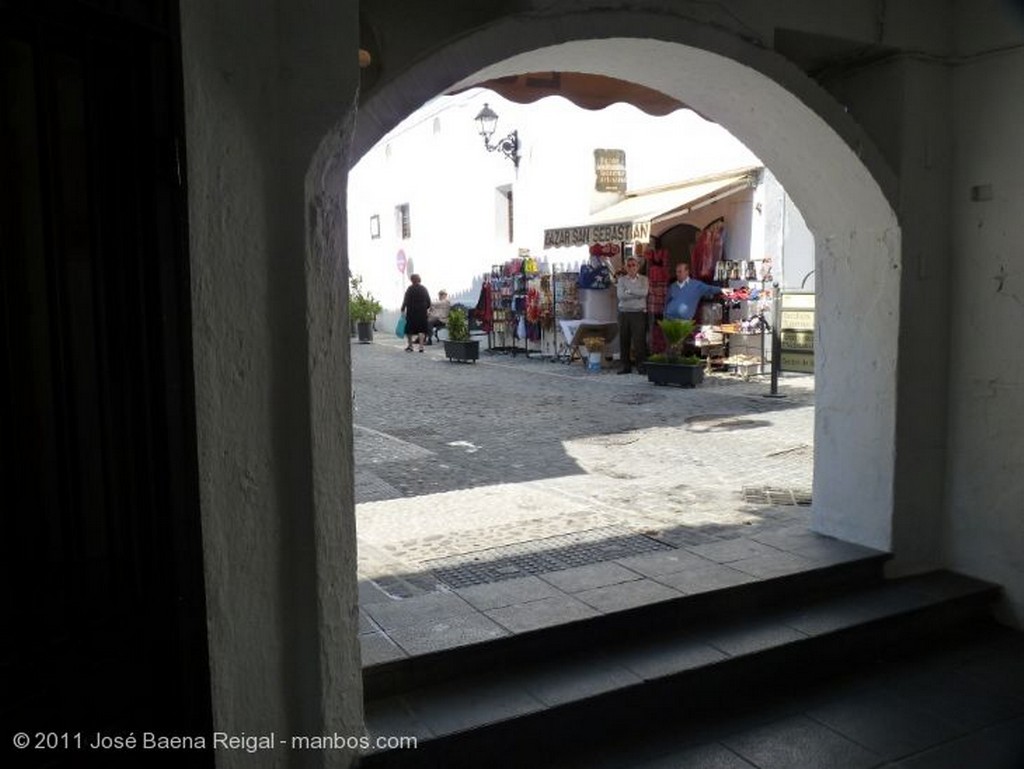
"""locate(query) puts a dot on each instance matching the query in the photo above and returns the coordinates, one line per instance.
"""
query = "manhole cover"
(772, 495)
(541, 556)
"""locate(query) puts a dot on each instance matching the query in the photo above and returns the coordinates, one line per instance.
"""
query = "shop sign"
(597, 233)
(610, 170)
(796, 335)
(798, 319)
(800, 362)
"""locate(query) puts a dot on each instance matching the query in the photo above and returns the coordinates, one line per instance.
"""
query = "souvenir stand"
(745, 325)
(730, 329)
(518, 306)
(590, 313)
(506, 287)
(567, 313)
(539, 326)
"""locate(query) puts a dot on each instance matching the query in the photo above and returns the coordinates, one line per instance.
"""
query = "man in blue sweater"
(685, 294)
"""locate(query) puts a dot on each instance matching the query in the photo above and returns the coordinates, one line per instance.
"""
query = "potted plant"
(363, 309)
(595, 350)
(458, 346)
(673, 367)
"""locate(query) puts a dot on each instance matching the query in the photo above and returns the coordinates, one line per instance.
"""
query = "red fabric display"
(708, 251)
(532, 305)
(488, 307)
(657, 266)
(604, 249)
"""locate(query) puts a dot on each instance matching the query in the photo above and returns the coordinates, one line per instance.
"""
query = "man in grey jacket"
(631, 289)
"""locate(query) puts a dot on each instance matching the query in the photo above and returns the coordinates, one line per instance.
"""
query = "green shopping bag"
(400, 326)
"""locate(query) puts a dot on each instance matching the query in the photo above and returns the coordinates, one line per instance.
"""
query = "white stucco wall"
(262, 91)
(443, 171)
(984, 521)
(788, 240)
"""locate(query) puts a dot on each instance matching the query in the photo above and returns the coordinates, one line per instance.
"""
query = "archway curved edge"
(824, 160)
(469, 57)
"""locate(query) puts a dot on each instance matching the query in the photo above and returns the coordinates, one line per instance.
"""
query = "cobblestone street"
(459, 463)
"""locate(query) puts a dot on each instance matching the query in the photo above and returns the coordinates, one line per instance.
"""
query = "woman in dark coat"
(414, 307)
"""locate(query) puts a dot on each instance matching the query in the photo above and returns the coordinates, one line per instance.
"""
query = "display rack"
(566, 306)
(508, 303)
(539, 327)
(742, 326)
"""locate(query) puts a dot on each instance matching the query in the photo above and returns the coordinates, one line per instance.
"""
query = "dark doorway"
(678, 240)
(104, 573)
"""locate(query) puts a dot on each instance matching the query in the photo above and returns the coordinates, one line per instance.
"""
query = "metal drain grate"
(540, 556)
(772, 495)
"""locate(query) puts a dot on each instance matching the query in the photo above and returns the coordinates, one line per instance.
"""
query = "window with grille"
(504, 214)
(402, 221)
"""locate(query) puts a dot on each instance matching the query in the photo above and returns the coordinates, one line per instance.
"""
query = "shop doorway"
(678, 241)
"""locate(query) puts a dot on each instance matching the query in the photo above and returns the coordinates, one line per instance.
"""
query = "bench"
(476, 327)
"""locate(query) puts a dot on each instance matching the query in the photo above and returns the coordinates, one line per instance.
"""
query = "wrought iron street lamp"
(509, 146)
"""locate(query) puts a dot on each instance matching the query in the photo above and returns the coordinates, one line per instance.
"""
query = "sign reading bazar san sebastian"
(597, 233)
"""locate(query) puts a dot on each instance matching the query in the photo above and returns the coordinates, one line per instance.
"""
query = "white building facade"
(430, 198)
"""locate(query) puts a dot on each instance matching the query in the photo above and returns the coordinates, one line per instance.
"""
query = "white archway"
(822, 158)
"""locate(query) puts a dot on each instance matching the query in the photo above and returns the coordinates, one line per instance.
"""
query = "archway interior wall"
(985, 469)
(857, 255)
(270, 355)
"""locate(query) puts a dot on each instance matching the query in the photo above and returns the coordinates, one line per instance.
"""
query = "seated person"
(685, 294)
(437, 315)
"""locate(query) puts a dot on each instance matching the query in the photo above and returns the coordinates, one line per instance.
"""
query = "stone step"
(556, 704)
(706, 598)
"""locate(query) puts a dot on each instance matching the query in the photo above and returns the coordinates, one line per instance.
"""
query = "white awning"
(633, 217)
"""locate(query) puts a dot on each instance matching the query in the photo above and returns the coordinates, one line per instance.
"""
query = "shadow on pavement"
(424, 426)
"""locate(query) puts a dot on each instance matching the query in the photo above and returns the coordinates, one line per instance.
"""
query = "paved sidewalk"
(501, 496)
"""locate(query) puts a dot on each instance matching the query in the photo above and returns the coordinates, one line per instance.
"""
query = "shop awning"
(593, 92)
(632, 218)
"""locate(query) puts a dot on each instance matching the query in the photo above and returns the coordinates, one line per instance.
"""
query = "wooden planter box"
(467, 351)
(681, 374)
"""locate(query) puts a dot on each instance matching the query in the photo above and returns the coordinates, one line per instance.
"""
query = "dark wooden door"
(104, 615)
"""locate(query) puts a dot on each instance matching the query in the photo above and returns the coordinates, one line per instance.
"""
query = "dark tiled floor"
(401, 627)
(957, 707)
(546, 612)
(996, 747)
(958, 703)
(800, 743)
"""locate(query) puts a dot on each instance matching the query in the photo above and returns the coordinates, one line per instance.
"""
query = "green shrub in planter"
(458, 346)
(362, 306)
(673, 367)
(676, 332)
(458, 325)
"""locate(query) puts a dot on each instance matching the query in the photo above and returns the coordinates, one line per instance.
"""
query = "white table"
(575, 331)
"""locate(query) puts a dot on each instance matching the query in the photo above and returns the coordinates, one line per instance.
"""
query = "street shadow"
(425, 427)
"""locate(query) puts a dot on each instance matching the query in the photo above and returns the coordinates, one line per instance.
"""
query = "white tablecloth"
(606, 328)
